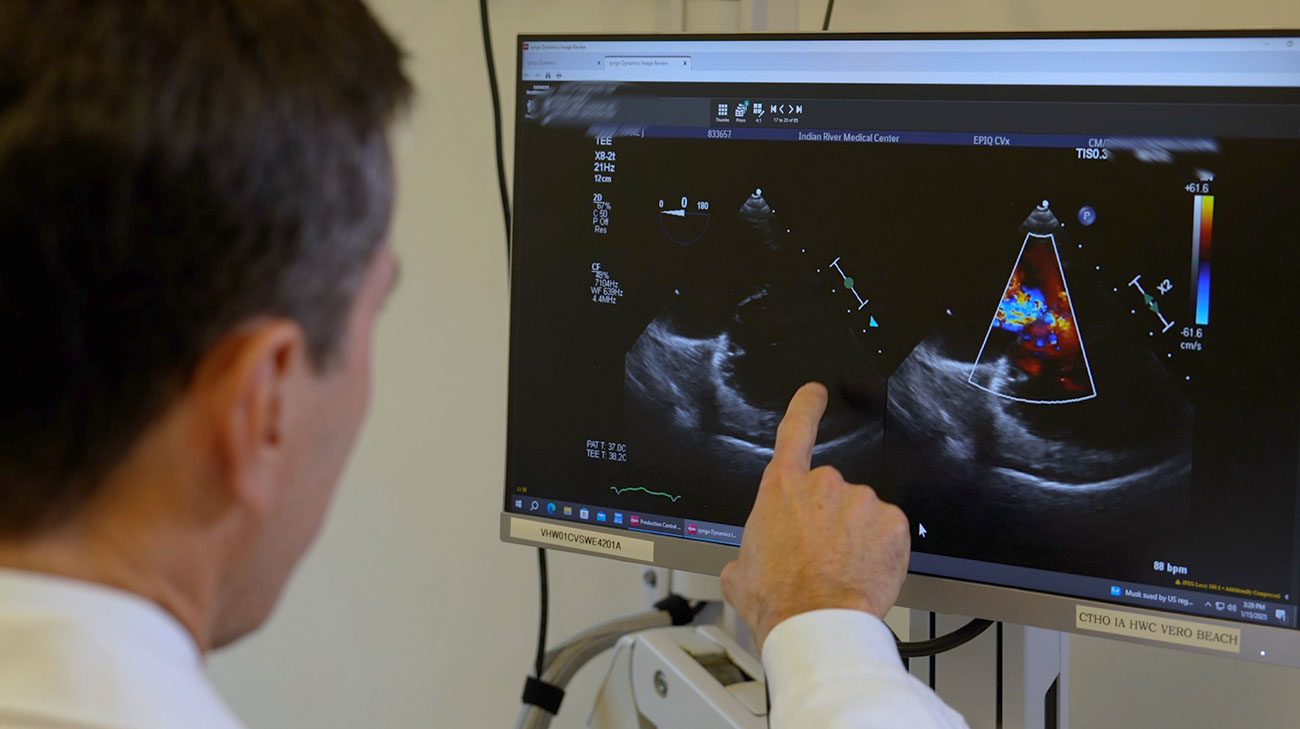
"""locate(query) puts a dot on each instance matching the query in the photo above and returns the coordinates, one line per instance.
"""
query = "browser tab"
(648, 67)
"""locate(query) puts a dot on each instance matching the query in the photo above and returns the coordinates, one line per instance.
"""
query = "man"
(194, 202)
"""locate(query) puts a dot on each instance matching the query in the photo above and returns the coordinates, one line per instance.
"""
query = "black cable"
(496, 118)
(934, 660)
(545, 598)
(545, 604)
(997, 706)
(830, 5)
(935, 646)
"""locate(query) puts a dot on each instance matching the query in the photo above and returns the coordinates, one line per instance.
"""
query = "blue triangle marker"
(873, 322)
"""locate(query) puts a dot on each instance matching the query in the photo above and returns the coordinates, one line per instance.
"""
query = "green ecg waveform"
(671, 497)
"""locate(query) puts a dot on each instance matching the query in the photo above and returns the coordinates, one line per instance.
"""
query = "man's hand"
(814, 540)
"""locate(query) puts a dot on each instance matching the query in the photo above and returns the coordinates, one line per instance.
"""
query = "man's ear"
(245, 387)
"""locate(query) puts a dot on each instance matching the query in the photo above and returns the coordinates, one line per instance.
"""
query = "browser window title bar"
(1231, 62)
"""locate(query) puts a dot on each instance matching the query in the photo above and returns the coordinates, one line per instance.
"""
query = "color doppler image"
(1033, 351)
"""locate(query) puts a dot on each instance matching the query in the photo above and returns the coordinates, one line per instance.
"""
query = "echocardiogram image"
(1033, 352)
(708, 379)
(1026, 348)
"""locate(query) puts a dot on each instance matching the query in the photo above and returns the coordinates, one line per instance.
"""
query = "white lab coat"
(839, 669)
(77, 655)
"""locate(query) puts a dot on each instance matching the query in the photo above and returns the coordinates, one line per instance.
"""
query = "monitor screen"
(1045, 279)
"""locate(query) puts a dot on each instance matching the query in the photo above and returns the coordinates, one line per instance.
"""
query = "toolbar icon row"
(746, 108)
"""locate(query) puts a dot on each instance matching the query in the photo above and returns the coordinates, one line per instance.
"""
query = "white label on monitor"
(588, 541)
(1165, 630)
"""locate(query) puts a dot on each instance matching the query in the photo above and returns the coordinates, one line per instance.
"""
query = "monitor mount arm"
(700, 676)
(687, 676)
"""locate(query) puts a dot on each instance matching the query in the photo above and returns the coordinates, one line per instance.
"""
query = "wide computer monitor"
(1049, 281)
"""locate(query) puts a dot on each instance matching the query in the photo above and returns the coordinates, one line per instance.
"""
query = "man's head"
(194, 200)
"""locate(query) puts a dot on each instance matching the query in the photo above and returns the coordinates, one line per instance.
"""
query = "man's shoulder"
(75, 664)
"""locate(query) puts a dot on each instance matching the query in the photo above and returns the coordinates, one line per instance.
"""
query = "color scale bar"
(1202, 233)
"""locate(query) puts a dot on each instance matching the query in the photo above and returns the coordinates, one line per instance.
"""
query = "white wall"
(409, 612)
(937, 15)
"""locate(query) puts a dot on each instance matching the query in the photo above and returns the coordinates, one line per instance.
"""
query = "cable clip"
(678, 608)
(543, 695)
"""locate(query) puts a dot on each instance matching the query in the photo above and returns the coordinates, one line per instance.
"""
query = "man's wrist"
(816, 641)
(781, 614)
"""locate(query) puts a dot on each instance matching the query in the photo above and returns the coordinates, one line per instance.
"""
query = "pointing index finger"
(797, 433)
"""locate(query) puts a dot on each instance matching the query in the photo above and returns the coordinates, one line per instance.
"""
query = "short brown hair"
(169, 169)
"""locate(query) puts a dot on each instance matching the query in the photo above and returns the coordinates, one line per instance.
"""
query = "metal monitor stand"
(1010, 677)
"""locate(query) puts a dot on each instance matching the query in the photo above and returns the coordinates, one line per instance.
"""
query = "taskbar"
(635, 521)
(1236, 608)
(1258, 611)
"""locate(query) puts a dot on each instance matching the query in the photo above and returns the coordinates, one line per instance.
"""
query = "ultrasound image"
(1033, 351)
(1031, 441)
(1007, 433)
(708, 380)
(1011, 339)
(1011, 473)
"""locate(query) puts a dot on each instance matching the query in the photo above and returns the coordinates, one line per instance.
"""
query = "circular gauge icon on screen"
(683, 219)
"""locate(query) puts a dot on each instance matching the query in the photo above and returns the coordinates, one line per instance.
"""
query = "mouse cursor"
(920, 529)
